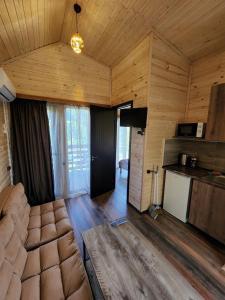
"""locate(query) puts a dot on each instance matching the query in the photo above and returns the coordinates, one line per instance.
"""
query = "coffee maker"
(188, 160)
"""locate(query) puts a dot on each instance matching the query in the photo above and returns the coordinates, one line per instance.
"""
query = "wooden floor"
(196, 257)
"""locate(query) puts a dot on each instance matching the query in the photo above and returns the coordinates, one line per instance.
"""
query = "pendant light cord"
(76, 23)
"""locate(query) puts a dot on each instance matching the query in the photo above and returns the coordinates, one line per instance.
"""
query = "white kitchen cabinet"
(176, 195)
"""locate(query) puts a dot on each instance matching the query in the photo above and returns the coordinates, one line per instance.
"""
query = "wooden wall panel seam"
(188, 93)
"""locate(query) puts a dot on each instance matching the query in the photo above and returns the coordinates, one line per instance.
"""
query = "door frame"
(130, 102)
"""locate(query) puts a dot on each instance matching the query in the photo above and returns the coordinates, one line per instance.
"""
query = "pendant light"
(76, 41)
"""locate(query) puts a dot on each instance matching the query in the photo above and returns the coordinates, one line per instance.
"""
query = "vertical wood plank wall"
(136, 169)
(205, 72)
(154, 75)
(167, 104)
(130, 81)
(130, 77)
(4, 159)
(55, 72)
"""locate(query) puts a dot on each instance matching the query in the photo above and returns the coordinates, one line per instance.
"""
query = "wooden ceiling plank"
(29, 23)
(60, 7)
(56, 15)
(34, 14)
(4, 55)
(10, 6)
(111, 29)
(195, 27)
(68, 24)
(4, 37)
(41, 22)
(22, 23)
(47, 21)
(7, 33)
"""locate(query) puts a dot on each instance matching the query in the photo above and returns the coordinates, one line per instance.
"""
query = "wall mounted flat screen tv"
(133, 117)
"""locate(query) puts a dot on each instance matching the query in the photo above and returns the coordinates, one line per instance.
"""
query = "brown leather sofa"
(39, 258)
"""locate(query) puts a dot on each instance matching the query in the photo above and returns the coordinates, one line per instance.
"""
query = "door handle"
(93, 158)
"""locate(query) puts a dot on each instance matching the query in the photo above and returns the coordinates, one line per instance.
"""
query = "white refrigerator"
(176, 195)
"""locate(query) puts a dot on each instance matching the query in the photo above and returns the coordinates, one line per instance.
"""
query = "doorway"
(103, 150)
(123, 153)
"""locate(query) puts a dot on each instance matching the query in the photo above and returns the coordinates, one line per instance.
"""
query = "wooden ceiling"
(111, 28)
(26, 25)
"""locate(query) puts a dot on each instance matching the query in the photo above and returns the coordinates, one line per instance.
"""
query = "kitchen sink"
(216, 179)
(220, 178)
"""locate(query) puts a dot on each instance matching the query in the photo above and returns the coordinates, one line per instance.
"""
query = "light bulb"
(77, 43)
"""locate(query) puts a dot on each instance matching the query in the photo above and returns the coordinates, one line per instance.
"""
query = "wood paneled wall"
(4, 158)
(167, 102)
(55, 72)
(136, 169)
(204, 73)
(130, 81)
(155, 75)
(130, 77)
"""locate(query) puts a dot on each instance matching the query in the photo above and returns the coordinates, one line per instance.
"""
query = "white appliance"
(7, 90)
(176, 195)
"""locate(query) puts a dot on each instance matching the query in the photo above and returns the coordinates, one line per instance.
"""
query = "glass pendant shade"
(77, 43)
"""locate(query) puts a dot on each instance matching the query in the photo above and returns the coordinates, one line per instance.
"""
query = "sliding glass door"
(70, 142)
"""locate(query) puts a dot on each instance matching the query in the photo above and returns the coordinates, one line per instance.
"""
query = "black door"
(103, 150)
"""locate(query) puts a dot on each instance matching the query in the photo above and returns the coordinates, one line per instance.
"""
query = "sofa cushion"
(49, 285)
(14, 251)
(36, 225)
(12, 260)
(58, 270)
(51, 271)
(9, 281)
(47, 222)
(31, 289)
(4, 195)
(49, 255)
(18, 208)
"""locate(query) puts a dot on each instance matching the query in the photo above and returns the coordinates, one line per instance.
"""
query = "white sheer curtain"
(57, 135)
(70, 142)
(78, 149)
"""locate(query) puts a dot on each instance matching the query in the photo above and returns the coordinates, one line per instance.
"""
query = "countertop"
(195, 173)
(198, 173)
(213, 180)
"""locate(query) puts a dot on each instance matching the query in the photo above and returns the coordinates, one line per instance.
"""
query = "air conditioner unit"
(7, 90)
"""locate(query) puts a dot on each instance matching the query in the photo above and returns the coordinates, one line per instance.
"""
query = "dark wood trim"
(123, 104)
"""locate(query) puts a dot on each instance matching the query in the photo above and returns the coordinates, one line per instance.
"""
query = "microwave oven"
(192, 130)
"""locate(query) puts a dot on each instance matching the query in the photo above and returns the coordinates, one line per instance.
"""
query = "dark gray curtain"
(31, 150)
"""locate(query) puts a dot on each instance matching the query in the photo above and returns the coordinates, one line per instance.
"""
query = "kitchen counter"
(213, 180)
(198, 173)
(194, 173)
